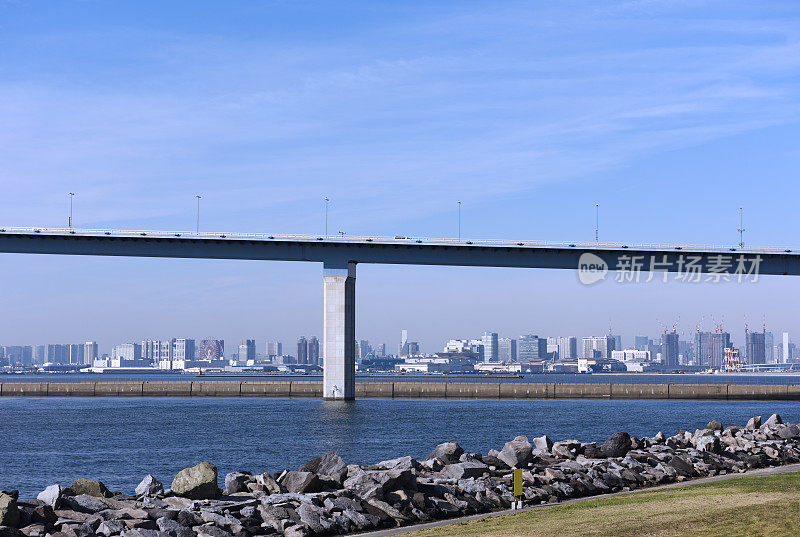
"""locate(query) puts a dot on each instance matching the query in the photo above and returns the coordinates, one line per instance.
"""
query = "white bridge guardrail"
(398, 239)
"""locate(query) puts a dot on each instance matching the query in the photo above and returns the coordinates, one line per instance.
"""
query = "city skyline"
(670, 128)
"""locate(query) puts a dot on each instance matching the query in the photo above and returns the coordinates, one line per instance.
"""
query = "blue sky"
(669, 114)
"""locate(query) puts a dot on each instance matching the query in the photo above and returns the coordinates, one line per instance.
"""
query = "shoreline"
(450, 521)
(326, 496)
(392, 390)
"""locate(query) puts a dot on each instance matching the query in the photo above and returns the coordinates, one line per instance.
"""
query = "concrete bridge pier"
(339, 345)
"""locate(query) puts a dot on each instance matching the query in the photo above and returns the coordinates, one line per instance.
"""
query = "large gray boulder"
(790, 431)
(773, 420)
(9, 512)
(52, 496)
(84, 503)
(90, 487)
(617, 445)
(267, 483)
(753, 423)
(329, 467)
(237, 482)
(149, 486)
(174, 528)
(301, 482)
(566, 449)
(197, 483)
(543, 443)
(714, 425)
(448, 453)
(682, 466)
(465, 470)
(517, 453)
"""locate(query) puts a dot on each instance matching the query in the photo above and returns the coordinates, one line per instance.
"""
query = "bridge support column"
(339, 345)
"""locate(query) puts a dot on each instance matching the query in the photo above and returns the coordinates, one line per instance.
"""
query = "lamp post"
(197, 229)
(459, 220)
(71, 194)
(596, 222)
(741, 229)
(326, 216)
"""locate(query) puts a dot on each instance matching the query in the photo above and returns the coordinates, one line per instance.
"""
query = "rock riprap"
(326, 496)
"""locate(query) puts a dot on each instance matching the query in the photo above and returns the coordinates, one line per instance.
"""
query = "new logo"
(591, 268)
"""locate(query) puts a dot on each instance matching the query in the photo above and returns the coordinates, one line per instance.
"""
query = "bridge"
(340, 256)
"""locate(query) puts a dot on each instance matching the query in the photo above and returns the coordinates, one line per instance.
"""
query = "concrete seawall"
(452, 390)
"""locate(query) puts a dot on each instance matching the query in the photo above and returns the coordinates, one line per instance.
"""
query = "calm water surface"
(119, 440)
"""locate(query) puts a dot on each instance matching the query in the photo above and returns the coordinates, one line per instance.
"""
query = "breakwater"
(327, 496)
(435, 389)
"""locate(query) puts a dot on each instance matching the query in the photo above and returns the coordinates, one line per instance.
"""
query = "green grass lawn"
(745, 506)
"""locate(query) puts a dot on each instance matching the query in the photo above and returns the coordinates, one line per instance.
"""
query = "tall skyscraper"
(380, 350)
(617, 344)
(57, 354)
(598, 347)
(39, 355)
(769, 343)
(709, 348)
(274, 348)
(403, 342)
(640, 343)
(302, 350)
(507, 349)
(183, 349)
(531, 348)
(785, 358)
(76, 354)
(89, 352)
(247, 351)
(755, 351)
(363, 349)
(151, 349)
(567, 348)
(669, 349)
(313, 351)
(490, 348)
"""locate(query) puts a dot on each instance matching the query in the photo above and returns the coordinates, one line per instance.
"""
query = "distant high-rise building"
(785, 358)
(567, 348)
(274, 348)
(598, 347)
(531, 348)
(669, 349)
(16, 355)
(39, 355)
(90, 353)
(617, 343)
(313, 351)
(363, 349)
(403, 342)
(76, 354)
(769, 342)
(151, 349)
(641, 343)
(507, 349)
(247, 351)
(302, 350)
(490, 348)
(380, 350)
(755, 352)
(166, 351)
(709, 348)
(126, 355)
(183, 349)
(57, 354)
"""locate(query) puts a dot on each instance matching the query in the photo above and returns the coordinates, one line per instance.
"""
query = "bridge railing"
(401, 239)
